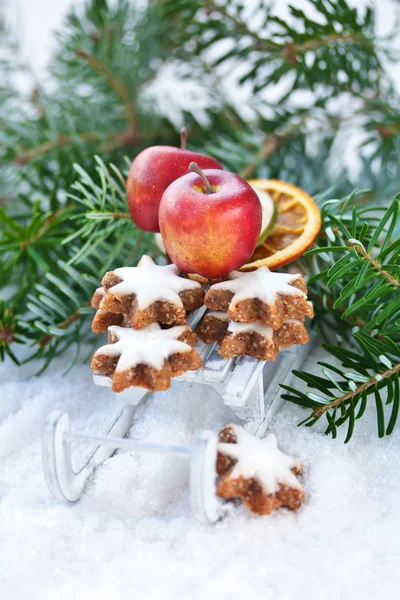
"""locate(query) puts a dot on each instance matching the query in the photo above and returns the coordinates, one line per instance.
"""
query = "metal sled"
(248, 386)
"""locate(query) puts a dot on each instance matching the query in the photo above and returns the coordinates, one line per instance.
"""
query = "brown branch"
(6, 336)
(61, 140)
(118, 139)
(108, 215)
(115, 83)
(138, 241)
(44, 229)
(291, 49)
(374, 263)
(362, 388)
(387, 131)
(271, 144)
(120, 215)
(241, 26)
(328, 40)
(268, 148)
(44, 340)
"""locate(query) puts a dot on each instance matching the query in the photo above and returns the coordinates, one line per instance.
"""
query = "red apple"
(210, 222)
(151, 173)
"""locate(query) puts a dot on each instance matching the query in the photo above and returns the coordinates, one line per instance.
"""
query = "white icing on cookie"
(218, 314)
(259, 328)
(261, 459)
(293, 321)
(151, 345)
(100, 291)
(261, 284)
(150, 282)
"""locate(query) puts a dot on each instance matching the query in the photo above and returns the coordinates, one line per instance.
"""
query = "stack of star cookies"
(256, 313)
(136, 305)
(144, 309)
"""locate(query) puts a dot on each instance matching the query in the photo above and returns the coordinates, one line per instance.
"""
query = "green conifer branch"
(361, 287)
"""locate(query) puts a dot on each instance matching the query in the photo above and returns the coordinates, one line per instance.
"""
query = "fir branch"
(365, 387)
(271, 144)
(59, 307)
(361, 250)
(278, 48)
(267, 149)
(44, 340)
(10, 332)
(44, 228)
(360, 288)
(241, 26)
(294, 49)
(116, 84)
(26, 155)
(329, 304)
(110, 142)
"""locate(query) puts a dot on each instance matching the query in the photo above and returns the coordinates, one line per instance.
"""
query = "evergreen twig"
(362, 287)
(116, 84)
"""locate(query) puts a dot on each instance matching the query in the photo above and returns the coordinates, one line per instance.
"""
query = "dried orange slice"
(297, 225)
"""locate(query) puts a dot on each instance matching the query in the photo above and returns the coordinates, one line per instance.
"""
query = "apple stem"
(184, 136)
(194, 167)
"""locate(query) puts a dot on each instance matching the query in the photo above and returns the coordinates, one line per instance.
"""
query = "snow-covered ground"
(132, 534)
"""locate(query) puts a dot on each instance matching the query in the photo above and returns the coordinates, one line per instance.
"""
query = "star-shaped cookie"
(150, 293)
(103, 318)
(261, 297)
(256, 471)
(252, 339)
(148, 357)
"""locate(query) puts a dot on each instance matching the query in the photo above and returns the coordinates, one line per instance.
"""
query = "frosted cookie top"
(236, 327)
(150, 346)
(218, 314)
(150, 282)
(261, 459)
(259, 328)
(261, 284)
(100, 291)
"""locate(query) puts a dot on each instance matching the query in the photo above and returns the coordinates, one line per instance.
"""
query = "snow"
(132, 534)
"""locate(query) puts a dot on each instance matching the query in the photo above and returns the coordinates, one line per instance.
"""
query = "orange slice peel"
(298, 224)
